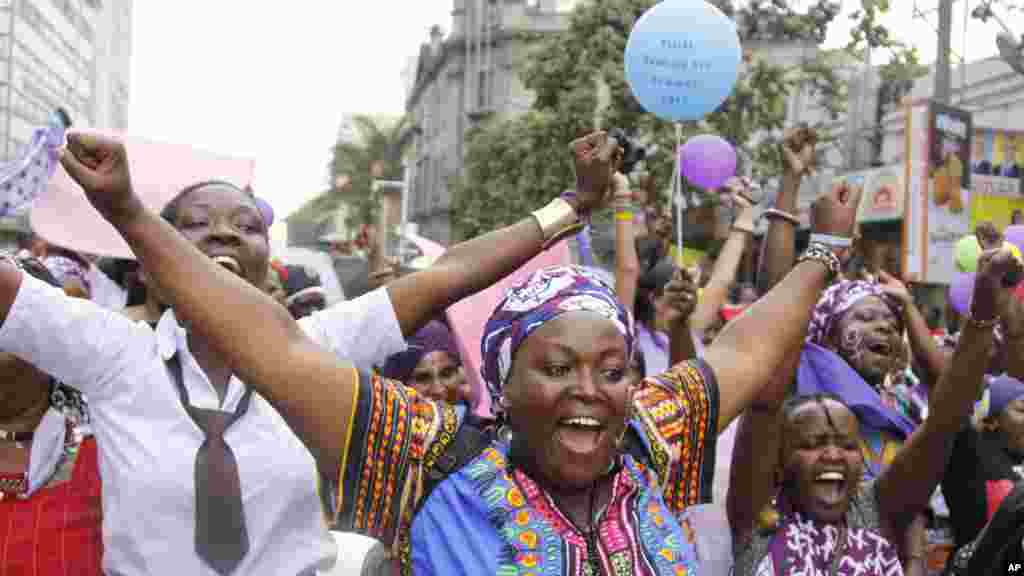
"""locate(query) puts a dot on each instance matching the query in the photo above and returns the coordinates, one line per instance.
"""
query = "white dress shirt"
(147, 443)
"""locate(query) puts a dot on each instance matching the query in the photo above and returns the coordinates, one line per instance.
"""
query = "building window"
(485, 81)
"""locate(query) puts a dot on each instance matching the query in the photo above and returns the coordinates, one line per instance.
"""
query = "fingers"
(78, 171)
(854, 196)
(582, 147)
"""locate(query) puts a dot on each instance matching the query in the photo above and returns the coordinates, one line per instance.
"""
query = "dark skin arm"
(748, 353)
(257, 337)
(474, 265)
(723, 273)
(779, 251)
(681, 294)
(906, 486)
(923, 346)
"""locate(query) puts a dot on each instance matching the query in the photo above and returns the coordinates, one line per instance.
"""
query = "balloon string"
(678, 176)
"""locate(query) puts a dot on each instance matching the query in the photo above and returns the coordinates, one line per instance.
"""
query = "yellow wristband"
(624, 215)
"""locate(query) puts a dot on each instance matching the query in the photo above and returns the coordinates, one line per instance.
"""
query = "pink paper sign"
(468, 317)
(63, 215)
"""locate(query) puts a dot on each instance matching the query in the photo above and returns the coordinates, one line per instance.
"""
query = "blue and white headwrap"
(543, 296)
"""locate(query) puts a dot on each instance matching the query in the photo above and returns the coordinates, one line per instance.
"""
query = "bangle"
(557, 220)
(775, 213)
(821, 254)
(832, 241)
(624, 216)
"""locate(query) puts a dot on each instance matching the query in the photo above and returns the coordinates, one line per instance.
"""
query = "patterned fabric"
(433, 337)
(65, 268)
(57, 530)
(802, 547)
(836, 300)
(22, 179)
(799, 547)
(541, 297)
(489, 518)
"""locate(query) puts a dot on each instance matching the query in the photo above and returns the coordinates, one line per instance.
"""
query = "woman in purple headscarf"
(431, 364)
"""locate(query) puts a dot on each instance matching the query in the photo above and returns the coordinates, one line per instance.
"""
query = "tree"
(578, 78)
(374, 151)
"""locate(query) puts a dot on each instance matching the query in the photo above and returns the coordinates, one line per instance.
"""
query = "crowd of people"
(202, 410)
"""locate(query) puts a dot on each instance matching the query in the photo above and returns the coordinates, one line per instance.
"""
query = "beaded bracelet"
(822, 254)
(773, 213)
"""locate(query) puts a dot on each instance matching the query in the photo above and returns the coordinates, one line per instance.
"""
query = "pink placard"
(63, 215)
(468, 317)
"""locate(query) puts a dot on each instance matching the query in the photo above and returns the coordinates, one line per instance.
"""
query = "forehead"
(217, 196)
(871, 304)
(579, 331)
(810, 418)
(435, 359)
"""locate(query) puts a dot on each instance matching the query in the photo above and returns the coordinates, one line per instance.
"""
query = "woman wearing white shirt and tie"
(200, 475)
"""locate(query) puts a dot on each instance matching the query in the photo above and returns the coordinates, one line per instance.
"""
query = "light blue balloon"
(682, 59)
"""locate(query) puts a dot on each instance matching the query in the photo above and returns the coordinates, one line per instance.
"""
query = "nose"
(586, 383)
(832, 453)
(223, 232)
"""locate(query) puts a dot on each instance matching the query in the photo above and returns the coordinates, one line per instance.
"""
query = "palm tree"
(371, 151)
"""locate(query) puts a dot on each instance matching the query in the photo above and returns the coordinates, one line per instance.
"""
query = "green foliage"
(513, 165)
(375, 152)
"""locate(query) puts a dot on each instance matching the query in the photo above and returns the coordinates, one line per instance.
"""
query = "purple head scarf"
(433, 337)
(1002, 391)
(543, 296)
(836, 301)
(822, 370)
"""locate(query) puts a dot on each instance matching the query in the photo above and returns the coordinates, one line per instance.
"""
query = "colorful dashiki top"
(490, 518)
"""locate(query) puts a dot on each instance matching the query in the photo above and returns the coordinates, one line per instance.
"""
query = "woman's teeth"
(229, 263)
(582, 422)
(830, 477)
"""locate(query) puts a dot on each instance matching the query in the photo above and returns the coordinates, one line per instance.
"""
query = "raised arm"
(259, 339)
(779, 251)
(751, 349)
(723, 274)
(906, 486)
(476, 264)
(681, 294)
(627, 263)
(922, 344)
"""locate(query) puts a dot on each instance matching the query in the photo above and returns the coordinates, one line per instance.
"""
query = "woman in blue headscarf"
(987, 459)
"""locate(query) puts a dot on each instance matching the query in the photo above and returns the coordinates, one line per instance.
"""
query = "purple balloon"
(961, 292)
(1015, 235)
(266, 211)
(707, 161)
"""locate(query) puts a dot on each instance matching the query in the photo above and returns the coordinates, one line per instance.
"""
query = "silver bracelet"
(832, 241)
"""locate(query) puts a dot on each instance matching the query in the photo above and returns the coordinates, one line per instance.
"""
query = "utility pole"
(943, 71)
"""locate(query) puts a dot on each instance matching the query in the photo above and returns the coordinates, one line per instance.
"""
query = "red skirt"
(57, 531)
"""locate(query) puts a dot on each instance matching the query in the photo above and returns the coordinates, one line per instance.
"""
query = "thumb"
(78, 171)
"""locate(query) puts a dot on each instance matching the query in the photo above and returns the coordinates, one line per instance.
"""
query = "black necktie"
(221, 538)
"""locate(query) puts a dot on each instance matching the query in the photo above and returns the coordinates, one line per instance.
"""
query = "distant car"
(319, 261)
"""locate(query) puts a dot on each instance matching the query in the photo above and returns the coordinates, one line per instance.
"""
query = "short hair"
(794, 403)
(170, 211)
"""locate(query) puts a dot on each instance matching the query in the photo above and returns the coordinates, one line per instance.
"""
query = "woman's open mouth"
(229, 263)
(580, 434)
(880, 348)
(830, 488)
